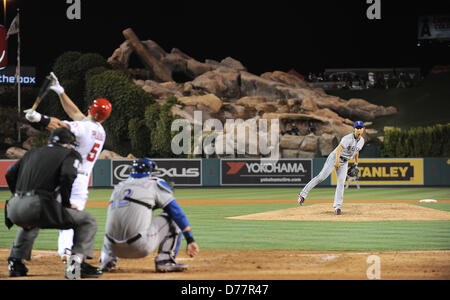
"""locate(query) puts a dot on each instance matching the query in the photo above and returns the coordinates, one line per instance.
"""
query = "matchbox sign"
(4, 165)
(3, 48)
(244, 172)
(182, 172)
(389, 172)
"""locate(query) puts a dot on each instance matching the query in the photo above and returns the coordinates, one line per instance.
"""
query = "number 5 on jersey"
(93, 153)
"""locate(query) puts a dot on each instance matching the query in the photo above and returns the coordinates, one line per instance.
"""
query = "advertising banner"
(244, 172)
(434, 27)
(3, 48)
(4, 165)
(394, 171)
(182, 172)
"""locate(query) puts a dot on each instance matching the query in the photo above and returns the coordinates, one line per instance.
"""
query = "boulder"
(289, 153)
(327, 143)
(210, 101)
(306, 154)
(291, 141)
(222, 82)
(310, 143)
(308, 105)
(161, 90)
(232, 63)
(121, 56)
(285, 78)
(27, 144)
(15, 153)
(107, 154)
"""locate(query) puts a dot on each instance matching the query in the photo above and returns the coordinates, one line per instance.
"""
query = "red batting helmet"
(100, 109)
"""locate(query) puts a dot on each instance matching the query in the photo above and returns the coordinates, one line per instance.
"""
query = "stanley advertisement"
(388, 172)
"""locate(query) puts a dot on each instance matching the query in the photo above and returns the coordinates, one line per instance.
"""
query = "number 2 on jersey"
(93, 153)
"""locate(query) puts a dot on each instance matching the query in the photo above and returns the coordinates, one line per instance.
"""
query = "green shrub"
(128, 102)
(431, 141)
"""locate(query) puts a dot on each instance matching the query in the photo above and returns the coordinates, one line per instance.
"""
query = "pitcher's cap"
(358, 124)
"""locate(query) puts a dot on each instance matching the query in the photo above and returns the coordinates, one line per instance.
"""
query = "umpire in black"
(36, 181)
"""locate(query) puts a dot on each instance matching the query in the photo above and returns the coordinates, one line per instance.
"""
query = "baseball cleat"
(73, 268)
(17, 267)
(300, 200)
(110, 263)
(88, 271)
(169, 266)
(65, 257)
(338, 212)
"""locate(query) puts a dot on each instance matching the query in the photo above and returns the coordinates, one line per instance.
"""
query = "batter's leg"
(65, 239)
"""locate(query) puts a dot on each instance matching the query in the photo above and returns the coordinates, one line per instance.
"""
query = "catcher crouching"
(132, 232)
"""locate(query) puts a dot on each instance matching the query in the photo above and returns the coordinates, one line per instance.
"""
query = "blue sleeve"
(176, 213)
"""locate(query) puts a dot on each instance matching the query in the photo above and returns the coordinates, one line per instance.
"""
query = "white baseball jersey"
(350, 146)
(90, 136)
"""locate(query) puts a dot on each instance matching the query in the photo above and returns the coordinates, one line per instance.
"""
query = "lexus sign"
(183, 172)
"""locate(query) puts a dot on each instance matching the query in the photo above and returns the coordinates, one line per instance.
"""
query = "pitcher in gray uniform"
(347, 149)
(132, 232)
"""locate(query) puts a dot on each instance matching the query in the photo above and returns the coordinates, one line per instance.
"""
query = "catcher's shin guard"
(170, 245)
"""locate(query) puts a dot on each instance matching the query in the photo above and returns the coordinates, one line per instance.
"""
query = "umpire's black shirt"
(45, 169)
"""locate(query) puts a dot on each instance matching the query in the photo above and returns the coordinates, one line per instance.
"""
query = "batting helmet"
(63, 136)
(100, 109)
(142, 167)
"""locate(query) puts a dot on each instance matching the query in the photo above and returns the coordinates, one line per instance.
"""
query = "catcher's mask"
(142, 167)
(100, 109)
(63, 136)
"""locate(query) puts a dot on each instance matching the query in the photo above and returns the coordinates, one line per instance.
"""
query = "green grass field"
(213, 231)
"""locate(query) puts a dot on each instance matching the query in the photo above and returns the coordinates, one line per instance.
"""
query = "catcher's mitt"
(353, 171)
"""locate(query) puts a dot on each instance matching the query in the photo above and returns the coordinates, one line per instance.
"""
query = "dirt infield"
(260, 265)
(264, 201)
(352, 212)
(278, 264)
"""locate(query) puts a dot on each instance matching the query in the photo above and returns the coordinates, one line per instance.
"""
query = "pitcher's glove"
(353, 171)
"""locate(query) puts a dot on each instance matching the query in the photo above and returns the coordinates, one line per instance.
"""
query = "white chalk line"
(38, 253)
(324, 257)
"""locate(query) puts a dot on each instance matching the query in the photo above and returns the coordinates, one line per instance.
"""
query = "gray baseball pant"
(163, 234)
(341, 174)
(26, 210)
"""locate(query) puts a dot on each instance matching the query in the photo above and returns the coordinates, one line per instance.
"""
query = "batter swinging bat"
(45, 88)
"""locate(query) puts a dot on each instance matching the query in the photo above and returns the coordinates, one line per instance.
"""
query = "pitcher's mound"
(352, 212)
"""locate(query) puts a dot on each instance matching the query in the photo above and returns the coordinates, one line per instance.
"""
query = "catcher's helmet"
(63, 136)
(142, 167)
(100, 109)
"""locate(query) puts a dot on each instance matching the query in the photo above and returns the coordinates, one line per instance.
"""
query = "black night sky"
(263, 35)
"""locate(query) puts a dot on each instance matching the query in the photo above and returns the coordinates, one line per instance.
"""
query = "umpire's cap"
(142, 167)
(63, 136)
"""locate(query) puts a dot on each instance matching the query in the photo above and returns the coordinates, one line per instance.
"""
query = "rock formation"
(226, 90)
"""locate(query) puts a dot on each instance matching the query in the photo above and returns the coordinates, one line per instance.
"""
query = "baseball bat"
(43, 91)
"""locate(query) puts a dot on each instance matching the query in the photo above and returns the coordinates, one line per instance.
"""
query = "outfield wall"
(285, 172)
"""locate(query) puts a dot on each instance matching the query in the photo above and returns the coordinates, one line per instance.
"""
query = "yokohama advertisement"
(182, 172)
(241, 172)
